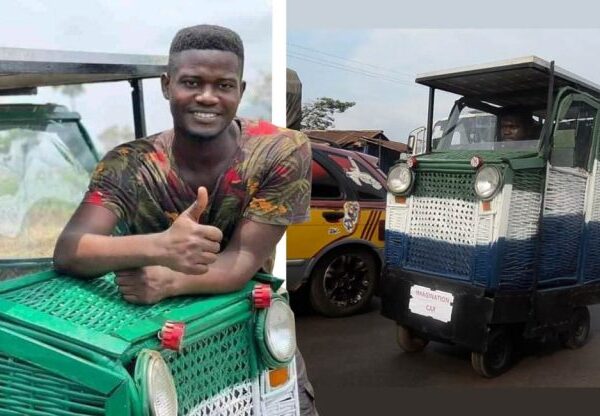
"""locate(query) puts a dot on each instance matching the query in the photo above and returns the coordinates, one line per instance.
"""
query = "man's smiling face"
(204, 89)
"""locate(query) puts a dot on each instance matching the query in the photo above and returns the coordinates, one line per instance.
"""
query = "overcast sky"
(376, 68)
(133, 27)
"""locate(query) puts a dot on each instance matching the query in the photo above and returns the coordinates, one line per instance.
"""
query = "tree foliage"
(260, 96)
(318, 115)
(114, 135)
(72, 91)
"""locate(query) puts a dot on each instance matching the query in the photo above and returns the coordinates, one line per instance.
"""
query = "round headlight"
(158, 387)
(487, 182)
(399, 179)
(280, 331)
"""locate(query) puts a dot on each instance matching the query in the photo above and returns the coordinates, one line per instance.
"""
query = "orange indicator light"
(400, 200)
(486, 206)
(278, 377)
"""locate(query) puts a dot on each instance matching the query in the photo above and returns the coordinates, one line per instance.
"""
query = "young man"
(203, 205)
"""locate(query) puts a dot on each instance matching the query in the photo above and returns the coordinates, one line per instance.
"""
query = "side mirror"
(411, 142)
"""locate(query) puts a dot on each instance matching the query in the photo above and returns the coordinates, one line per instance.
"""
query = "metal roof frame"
(30, 68)
(498, 81)
(23, 70)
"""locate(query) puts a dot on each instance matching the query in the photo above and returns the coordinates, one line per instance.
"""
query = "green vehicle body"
(75, 347)
(69, 347)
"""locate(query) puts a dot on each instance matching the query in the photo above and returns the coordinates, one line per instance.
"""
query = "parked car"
(336, 257)
(70, 346)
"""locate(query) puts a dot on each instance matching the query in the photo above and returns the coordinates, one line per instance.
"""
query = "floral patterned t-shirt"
(267, 181)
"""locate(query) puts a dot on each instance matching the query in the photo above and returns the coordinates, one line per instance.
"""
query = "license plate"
(433, 303)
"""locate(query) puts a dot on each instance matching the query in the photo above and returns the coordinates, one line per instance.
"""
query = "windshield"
(44, 171)
(487, 128)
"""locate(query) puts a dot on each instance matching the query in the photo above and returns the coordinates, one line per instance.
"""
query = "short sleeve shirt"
(267, 181)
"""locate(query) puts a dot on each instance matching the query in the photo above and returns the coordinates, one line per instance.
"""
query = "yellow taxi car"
(335, 258)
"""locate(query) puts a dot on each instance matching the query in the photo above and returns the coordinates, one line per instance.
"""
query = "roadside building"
(371, 142)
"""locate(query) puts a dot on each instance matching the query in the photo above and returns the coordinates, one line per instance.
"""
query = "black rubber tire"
(299, 300)
(498, 356)
(579, 329)
(343, 282)
(408, 341)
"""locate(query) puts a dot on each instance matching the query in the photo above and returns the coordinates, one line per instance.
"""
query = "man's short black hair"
(207, 37)
(522, 114)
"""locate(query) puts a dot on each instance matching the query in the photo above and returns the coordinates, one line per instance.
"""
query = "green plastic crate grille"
(93, 304)
(442, 229)
(217, 365)
(10, 272)
(28, 390)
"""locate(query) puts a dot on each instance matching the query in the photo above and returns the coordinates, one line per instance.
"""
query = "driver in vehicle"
(516, 125)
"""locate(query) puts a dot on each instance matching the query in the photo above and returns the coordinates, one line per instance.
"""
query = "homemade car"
(492, 239)
(336, 256)
(75, 347)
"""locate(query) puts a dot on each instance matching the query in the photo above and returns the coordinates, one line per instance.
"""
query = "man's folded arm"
(249, 248)
(86, 249)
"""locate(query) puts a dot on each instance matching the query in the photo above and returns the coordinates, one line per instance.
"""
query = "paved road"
(360, 351)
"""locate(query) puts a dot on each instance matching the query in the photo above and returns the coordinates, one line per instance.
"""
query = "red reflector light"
(171, 335)
(412, 162)
(476, 161)
(262, 296)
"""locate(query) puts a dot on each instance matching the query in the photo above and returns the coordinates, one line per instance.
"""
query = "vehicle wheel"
(408, 341)
(299, 300)
(343, 282)
(498, 356)
(579, 329)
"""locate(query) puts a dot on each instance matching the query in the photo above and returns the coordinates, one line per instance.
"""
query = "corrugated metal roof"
(344, 137)
(347, 138)
(397, 146)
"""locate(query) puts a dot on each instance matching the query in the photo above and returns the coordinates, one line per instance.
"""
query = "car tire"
(343, 282)
(299, 300)
(408, 341)
(498, 356)
(579, 329)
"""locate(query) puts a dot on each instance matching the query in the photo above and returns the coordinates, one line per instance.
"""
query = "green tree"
(115, 135)
(72, 91)
(260, 96)
(318, 115)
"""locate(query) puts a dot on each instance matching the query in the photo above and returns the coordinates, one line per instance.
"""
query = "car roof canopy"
(515, 82)
(23, 70)
(30, 68)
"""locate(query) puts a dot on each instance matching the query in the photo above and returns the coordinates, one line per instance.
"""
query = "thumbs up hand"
(187, 246)
(195, 210)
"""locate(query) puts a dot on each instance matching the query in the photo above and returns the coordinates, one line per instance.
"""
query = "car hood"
(461, 159)
(91, 314)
